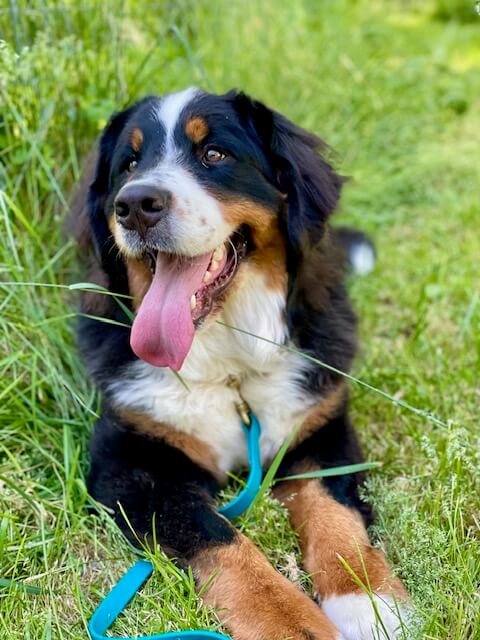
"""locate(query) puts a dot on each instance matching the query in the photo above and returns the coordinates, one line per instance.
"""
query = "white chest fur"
(206, 409)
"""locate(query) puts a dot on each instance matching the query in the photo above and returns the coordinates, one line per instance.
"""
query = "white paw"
(356, 618)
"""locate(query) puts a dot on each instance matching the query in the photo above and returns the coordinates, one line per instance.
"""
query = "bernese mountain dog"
(208, 216)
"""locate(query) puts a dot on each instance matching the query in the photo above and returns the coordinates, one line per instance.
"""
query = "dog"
(208, 216)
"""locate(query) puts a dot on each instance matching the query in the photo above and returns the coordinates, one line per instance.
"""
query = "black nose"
(141, 206)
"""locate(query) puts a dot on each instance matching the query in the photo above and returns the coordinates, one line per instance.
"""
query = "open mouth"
(182, 293)
(223, 264)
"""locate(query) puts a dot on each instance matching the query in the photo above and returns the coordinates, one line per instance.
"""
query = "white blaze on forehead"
(169, 110)
(195, 222)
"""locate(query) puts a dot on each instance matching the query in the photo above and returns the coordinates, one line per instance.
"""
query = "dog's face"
(182, 168)
(191, 186)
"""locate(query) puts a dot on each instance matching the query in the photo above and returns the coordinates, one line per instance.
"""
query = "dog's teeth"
(213, 265)
(218, 254)
(193, 302)
(207, 277)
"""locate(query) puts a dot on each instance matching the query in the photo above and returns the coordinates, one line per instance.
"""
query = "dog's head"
(191, 187)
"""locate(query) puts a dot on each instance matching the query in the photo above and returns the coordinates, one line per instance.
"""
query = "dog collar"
(123, 592)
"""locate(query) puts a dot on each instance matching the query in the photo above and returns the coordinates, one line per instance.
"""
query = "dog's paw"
(359, 618)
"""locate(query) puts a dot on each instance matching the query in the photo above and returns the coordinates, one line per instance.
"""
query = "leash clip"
(241, 405)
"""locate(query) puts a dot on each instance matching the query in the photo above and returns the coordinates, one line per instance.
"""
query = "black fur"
(284, 168)
(159, 488)
(105, 346)
(296, 158)
(102, 184)
(320, 318)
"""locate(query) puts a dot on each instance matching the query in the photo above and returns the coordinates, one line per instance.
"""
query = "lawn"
(394, 87)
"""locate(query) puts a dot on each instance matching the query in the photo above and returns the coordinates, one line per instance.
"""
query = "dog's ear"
(299, 165)
(100, 186)
(298, 160)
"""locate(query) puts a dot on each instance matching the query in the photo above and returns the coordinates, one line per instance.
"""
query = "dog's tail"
(360, 253)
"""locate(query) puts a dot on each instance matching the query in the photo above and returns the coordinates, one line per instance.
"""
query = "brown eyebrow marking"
(139, 279)
(197, 129)
(136, 139)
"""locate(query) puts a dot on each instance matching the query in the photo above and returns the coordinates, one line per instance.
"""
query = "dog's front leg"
(255, 601)
(331, 521)
(163, 491)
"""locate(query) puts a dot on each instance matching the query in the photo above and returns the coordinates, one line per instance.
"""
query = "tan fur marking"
(259, 219)
(117, 236)
(113, 226)
(136, 139)
(197, 129)
(255, 601)
(328, 530)
(139, 279)
(271, 262)
(321, 413)
(193, 447)
(269, 255)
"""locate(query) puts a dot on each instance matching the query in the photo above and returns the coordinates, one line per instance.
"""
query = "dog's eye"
(212, 155)
(131, 165)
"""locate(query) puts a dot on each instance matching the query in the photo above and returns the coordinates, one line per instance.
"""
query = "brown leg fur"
(328, 530)
(255, 602)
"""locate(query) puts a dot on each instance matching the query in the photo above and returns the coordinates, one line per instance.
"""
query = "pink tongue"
(163, 330)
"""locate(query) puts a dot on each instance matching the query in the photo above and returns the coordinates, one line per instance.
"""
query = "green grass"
(394, 87)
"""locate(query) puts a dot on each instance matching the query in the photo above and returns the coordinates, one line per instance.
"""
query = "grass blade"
(333, 471)
(5, 583)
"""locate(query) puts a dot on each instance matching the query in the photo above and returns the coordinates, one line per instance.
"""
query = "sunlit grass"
(395, 90)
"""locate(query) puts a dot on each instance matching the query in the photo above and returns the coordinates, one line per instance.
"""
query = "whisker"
(234, 252)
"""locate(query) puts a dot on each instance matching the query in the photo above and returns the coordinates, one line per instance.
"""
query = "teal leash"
(123, 592)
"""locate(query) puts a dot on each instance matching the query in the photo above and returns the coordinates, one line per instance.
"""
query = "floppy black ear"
(99, 188)
(318, 313)
(311, 185)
